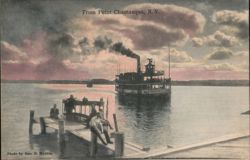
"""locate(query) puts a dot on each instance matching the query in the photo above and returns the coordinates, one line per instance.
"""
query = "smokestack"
(138, 65)
(118, 47)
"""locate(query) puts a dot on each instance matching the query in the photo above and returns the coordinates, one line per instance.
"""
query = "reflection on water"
(194, 114)
(143, 119)
(139, 100)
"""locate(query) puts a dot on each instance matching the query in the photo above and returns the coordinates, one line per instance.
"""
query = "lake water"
(194, 114)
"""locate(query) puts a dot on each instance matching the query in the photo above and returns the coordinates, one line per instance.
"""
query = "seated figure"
(54, 112)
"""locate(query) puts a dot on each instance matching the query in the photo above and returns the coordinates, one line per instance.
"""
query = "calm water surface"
(194, 114)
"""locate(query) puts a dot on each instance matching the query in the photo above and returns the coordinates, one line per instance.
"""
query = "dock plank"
(79, 130)
(166, 150)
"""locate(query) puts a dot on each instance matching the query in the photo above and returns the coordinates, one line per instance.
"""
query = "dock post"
(93, 145)
(61, 130)
(115, 121)
(119, 140)
(31, 121)
(42, 125)
(119, 144)
(61, 135)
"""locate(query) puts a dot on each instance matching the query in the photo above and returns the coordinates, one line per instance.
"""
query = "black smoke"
(118, 47)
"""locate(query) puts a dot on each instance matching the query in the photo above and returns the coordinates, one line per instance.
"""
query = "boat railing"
(83, 109)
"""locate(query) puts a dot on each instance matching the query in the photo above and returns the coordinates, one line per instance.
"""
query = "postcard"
(142, 79)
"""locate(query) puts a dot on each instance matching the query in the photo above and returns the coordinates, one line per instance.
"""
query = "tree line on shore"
(105, 81)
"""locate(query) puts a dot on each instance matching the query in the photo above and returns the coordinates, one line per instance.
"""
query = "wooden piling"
(93, 145)
(115, 121)
(61, 136)
(61, 130)
(119, 144)
(62, 108)
(31, 121)
(107, 109)
(42, 125)
(119, 140)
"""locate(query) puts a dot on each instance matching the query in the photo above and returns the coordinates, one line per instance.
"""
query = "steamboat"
(150, 83)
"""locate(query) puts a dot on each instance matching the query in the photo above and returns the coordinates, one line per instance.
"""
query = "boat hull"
(146, 92)
(144, 96)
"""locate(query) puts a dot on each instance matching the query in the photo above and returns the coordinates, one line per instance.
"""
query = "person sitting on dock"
(104, 121)
(105, 124)
(91, 115)
(54, 112)
(96, 127)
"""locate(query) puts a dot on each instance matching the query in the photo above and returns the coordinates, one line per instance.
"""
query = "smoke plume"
(118, 47)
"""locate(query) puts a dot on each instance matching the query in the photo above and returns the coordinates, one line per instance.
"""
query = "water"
(195, 114)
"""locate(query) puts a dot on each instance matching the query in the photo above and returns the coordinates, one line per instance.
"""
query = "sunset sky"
(54, 40)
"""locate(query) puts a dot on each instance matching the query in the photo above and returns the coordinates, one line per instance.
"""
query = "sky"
(62, 40)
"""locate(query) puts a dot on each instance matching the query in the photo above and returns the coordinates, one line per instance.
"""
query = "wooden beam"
(119, 144)
(31, 121)
(93, 145)
(42, 125)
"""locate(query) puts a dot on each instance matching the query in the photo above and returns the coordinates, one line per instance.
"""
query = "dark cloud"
(84, 41)
(85, 46)
(221, 54)
(197, 42)
(178, 56)
(102, 42)
(218, 39)
(229, 4)
(23, 18)
(60, 45)
(223, 39)
(172, 16)
(147, 37)
(106, 22)
(237, 19)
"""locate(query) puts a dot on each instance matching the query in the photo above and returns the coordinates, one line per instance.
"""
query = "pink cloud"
(11, 52)
(31, 61)
(56, 70)
(18, 71)
(49, 70)
(35, 45)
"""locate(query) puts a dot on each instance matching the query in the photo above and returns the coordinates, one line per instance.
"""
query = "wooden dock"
(188, 152)
(122, 149)
(79, 130)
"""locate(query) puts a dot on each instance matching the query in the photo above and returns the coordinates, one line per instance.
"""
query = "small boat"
(89, 84)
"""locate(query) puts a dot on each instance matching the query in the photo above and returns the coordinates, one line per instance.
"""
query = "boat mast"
(168, 60)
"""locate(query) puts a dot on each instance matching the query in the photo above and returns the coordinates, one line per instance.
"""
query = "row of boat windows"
(145, 78)
(156, 79)
(157, 86)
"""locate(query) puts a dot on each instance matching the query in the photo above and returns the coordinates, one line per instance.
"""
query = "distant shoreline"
(108, 82)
